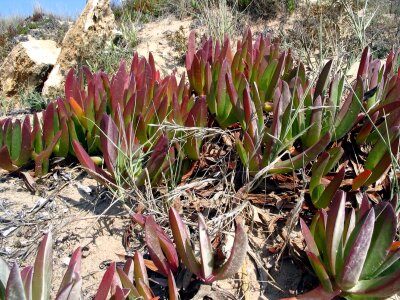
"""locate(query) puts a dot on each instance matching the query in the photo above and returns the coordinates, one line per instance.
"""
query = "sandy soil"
(153, 38)
(75, 217)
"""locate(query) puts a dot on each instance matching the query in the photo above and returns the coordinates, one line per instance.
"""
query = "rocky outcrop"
(27, 66)
(93, 27)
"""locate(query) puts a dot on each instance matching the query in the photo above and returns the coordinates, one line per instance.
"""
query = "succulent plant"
(354, 253)
(130, 282)
(34, 282)
(321, 194)
(164, 255)
(204, 269)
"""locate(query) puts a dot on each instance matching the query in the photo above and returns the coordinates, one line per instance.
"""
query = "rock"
(27, 66)
(93, 27)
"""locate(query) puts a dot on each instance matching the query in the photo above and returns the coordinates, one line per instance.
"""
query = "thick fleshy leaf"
(356, 251)
(182, 242)
(206, 250)
(308, 237)
(72, 290)
(384, 164)
(236, 258)
(360, 179)
(42, 159)
(26, 143)
(191, 48)
(318, 231)
(156, 160)
(73, 270)
(334, 229)
(380, 149)
(154, 247)
(43, 268)
(109, 139)
(323, 80)
(88, 163)
(169, 251)
(349, 111)
(335, 154)
(331, 189)
(314, 132)
(349, 225)
(382, 238)
(320, 271)
(4, 273)
(106, 283)
(364, 63)
(172, 289)
(27, 276)
(140, 271)
(391, 258)
(366, 129)
(381, 287)
(77, 109)
(15, 288)
(129, 268)
(127, 283)
(5, 160)
(318, 170)
(302, 159)
(144, 290)
(16, 140)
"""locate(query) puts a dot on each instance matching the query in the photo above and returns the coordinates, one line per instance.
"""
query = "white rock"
(95, 25)
(27, 65)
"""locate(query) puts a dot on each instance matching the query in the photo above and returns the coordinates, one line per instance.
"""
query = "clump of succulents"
(354, 252)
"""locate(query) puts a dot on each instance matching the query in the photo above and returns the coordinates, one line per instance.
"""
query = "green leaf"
(356, 251)
(382, 238)
(4, 274)
(308, 237)
(43, 268)
(335, 154)
(172, 289)
(322, 81)
(126, 283)
(236, 258)
(302, 159)
(140, 271)
(320, 271)
(381, 287)
(313, 133)
(317, 170)
(334, 229)
(182, 242)
(154, 247)
(331, 189)
(15, 288)
(16, 140)
(349, 111)
(206, 250)
(72, 275)
(381, 148)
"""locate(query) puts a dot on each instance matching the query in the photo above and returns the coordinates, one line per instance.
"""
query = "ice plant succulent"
(119, 146)
(131, 282)
(165, 257)
(34, 282)
(354, 253)
(320, 194)
(204, 268)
